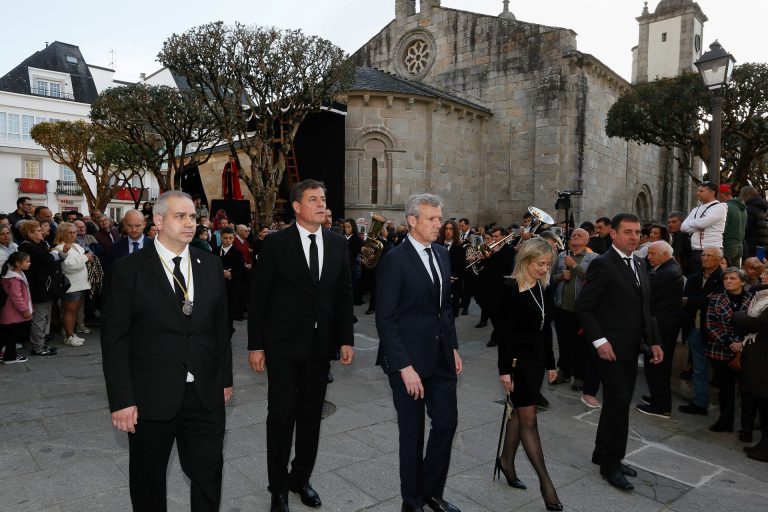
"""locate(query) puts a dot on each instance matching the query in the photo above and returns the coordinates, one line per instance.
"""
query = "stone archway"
(374, 163)
(643, 205)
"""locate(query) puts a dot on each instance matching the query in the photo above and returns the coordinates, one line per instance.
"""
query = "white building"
(54, 83)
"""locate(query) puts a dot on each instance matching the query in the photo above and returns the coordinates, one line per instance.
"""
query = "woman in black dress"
(523, 355)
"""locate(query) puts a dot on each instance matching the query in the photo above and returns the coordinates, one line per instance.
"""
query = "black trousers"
(468, 287)
(10, 335)
(295, 399)
(577, 356)
(659, 375)
(618, 378)
(725, 377)
(423, 475)
(199, 436)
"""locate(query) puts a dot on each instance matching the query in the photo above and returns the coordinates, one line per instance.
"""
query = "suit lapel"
(159, 271)
(298, 251)
(329, 256)
(422, 270)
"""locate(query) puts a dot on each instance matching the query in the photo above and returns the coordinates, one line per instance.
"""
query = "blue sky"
(136, 29)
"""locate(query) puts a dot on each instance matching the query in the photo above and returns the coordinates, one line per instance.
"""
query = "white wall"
(102, 78)
(664, 57)
(161, 77)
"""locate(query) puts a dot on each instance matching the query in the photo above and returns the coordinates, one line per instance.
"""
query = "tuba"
(373, 247)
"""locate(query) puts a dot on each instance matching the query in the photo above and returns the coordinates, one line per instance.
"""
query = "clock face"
(697, 43)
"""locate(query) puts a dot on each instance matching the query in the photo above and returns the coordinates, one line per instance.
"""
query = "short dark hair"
(605, 220)
(499, 229)
(464, 220)
(677, 215)
(22, 200)
(710, 185)
(588, 226)
(3, 216)
(199, 230)
(624, 217)
(40, 208)
(228, 231)
(527, 215)
(297, 192)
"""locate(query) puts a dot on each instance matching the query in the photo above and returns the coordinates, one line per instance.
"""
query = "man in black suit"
(168, 359)
(135, 240)
(300, 314)
(666, 281)
(614, 310)
(418, 351)
(234, 273)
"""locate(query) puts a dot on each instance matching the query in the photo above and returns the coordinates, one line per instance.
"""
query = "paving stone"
(382, 436)
(15, 433)
(47, 407)
(244, 414)
(244, 441)
(340, 450)
(76, 447)
(378, 477)
(116, 499)
(15, 461)
(78, 422)
(344, 420)
(337, 494)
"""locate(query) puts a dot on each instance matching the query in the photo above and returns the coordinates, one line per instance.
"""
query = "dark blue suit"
(416, 329)
(120, 248)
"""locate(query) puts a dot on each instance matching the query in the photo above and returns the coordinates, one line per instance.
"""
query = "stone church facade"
(496, 114)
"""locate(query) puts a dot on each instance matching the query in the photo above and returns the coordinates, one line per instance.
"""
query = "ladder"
(291, 164)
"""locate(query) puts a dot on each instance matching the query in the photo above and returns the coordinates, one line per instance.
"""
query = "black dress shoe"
(626, 470)
(279, 502)
(370, 311)
(329, 379)
(308, 495)
(408, 508)
(722, 426)
(616, 478)
(440, 505)
(745, 436)
(491, 342)
(554, 507)
(646, 399)
(465, 311)
(481, 324)
(692, 408)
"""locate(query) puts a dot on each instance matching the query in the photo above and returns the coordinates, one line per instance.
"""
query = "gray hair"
(664, 246)
(747, 192)
(161, 205)
(677, 215)
(718, 250)
(738, 271)
(416, 200)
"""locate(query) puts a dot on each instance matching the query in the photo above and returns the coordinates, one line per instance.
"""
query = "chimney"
(404, 8)
(427, 5)
(143, 77)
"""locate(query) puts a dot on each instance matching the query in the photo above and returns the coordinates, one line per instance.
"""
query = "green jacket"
(735, 223)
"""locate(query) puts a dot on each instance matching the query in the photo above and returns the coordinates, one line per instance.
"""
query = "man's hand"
(605, 351)
(736, 346)
(506, 381)
(551, 376)
(412, 382)
(566, 275)
(570, 262)
(227, 274)
(228, 394)
(457, 361)
(657, 354)
(347, 354)
(257, 360)
(125, 420)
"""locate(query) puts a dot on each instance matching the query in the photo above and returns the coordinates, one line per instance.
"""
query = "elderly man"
(699, 287)
(106, 236)
(575, 355)
(705, 223)
(666, 280)
(754, 269)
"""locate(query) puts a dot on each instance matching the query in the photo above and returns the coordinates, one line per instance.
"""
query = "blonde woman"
(524, 353)
(73, 266)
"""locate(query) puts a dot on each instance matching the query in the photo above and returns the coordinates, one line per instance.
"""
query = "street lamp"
(715, 68)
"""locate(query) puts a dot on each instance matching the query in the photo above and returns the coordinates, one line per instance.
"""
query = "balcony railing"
(42, 91)
(32, 186)
(68, 188)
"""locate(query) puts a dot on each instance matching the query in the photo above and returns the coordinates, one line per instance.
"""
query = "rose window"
(417, 57)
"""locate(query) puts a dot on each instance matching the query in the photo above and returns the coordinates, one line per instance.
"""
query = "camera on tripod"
(564, 198)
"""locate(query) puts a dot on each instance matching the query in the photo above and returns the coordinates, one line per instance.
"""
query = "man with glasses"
(705, 223)
(23, 212)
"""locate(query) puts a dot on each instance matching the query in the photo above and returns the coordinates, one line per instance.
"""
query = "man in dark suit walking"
(614, 310)
(135, 240)
(234, 274)
(300, 314)
(418, 351)
(168, 359)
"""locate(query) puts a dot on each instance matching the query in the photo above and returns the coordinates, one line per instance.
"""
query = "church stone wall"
(549, 109)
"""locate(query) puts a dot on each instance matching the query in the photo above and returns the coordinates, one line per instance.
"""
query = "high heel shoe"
(554, 507)
(512, 482)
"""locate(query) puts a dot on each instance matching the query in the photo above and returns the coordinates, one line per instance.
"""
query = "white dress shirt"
(425, 260)
(306, 242)
(140, 241)
(167, 256)
(706, 223)
(602, 341)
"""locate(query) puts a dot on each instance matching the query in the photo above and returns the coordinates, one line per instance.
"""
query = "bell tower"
(670, 40)
(404, 8)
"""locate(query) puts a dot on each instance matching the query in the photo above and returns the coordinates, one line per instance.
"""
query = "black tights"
(522, 426)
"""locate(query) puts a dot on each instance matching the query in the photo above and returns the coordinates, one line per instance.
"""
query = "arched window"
(374, 181)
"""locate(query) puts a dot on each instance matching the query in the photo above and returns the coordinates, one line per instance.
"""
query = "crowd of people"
(616, 292)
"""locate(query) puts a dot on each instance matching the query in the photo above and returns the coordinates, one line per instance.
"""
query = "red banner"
(33, 186)
(128, 194)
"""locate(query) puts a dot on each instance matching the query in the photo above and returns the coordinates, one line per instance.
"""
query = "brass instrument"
(475, 255)
(373, 247)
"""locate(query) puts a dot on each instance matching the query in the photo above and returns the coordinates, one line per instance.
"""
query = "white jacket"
(74, 268)
(706, 224)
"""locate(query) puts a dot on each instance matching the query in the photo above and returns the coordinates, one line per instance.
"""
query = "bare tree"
(259, 84)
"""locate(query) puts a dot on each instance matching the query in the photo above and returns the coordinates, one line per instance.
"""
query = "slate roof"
(370, 79)
(54, 58)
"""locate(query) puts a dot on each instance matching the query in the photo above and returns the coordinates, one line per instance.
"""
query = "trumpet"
(475, 255)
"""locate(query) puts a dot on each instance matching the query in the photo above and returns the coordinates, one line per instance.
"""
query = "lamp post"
(715, 68)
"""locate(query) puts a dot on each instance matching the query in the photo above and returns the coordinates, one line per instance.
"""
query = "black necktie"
(435, 278)
(179, 279)
(629, 264)
(314, 260)
(135, 246)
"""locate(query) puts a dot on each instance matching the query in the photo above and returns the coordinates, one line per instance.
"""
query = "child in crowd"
(17, 310)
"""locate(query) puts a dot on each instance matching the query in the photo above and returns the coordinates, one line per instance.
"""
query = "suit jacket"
(285, 305)
(148, 344)
(612, 306)
(413, 330)
(236, 284)
(120, 248)
(458, 258)
(667, 290)
(245, 250)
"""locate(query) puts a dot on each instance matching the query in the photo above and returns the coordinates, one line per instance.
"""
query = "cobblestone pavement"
(59, 452)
